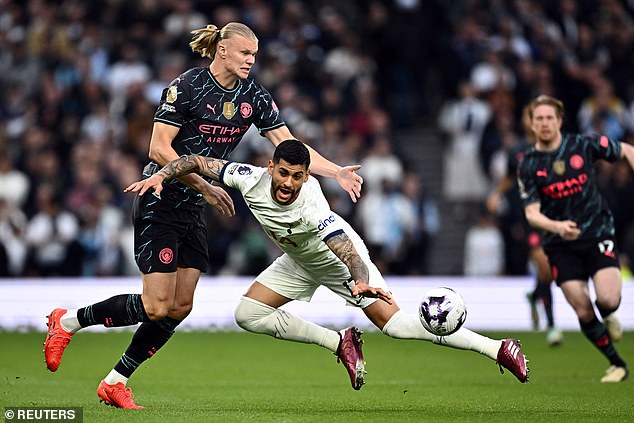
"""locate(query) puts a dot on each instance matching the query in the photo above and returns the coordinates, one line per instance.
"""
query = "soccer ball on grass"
(442, 311)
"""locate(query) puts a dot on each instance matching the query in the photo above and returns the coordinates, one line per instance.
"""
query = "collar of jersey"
(220, 86)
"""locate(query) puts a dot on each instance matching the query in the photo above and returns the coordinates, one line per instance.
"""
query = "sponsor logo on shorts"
(166, 255)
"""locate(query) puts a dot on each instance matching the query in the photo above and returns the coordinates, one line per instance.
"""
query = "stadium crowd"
(81, 81)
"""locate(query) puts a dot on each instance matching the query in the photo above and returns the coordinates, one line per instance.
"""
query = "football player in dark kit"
(205, 111)
(507, 186)
(558, 187)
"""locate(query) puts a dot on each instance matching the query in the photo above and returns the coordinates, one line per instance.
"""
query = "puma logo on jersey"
(212, 108)
(542, 173)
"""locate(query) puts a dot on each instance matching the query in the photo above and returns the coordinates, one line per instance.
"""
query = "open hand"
(365, 290)
(350, 181)
(220, 200)
(154, 182)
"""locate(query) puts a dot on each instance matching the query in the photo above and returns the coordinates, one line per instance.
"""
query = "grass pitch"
(239, 377)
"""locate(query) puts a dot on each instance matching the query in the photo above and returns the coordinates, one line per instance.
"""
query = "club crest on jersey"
(172, 94)
(228, 109)
(246, 110)
(576, 162)
(559, 167)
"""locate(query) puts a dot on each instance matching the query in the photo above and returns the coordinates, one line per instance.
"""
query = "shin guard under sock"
(120, 310)
(147, 340)
(597, 333)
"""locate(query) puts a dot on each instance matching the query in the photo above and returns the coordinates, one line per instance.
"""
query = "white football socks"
(69, 321)
(258, 317)
(408, 326)
(115, 377)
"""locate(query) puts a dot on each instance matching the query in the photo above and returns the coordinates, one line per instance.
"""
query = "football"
(442, 311)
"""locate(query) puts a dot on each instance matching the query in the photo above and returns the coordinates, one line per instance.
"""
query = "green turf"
(238, 377)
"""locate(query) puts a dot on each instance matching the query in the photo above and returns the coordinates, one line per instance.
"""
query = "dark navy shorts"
(581, 259)
(168, 235)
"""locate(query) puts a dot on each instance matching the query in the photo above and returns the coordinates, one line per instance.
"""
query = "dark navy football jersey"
(212, 120)
(564, 183)
(513, 157)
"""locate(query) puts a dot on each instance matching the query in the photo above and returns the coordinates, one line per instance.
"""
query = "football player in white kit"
(320, 248)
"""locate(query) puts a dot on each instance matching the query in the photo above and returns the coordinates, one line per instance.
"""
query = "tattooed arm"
(205, 166)
(187, 164)
(343, 248)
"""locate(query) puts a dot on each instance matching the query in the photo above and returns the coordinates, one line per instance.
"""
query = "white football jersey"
(300, 228)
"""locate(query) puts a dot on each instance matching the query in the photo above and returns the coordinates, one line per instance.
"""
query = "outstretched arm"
(343, 248)
(206, 166)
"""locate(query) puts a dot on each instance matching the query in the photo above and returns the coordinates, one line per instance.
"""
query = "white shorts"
(288, 279)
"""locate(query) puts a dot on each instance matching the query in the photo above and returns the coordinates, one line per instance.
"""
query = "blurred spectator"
(124, 73)
(492, 73)
(183, 18)
(484, 248)
(100, 224)
(14, 184)
(426, 226)
(43, 167)
(604, 112)
(499, 129)
(51, 236)
(381, 164)
(464, 120)
(169, 67)
(12, 230)
(465, 50)
(87, 175)
(387, 220)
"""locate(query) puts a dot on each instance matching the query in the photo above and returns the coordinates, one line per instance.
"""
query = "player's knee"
(249, 314)
(608, 305)
(157, 310)
(585, 314)
(180, 311)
